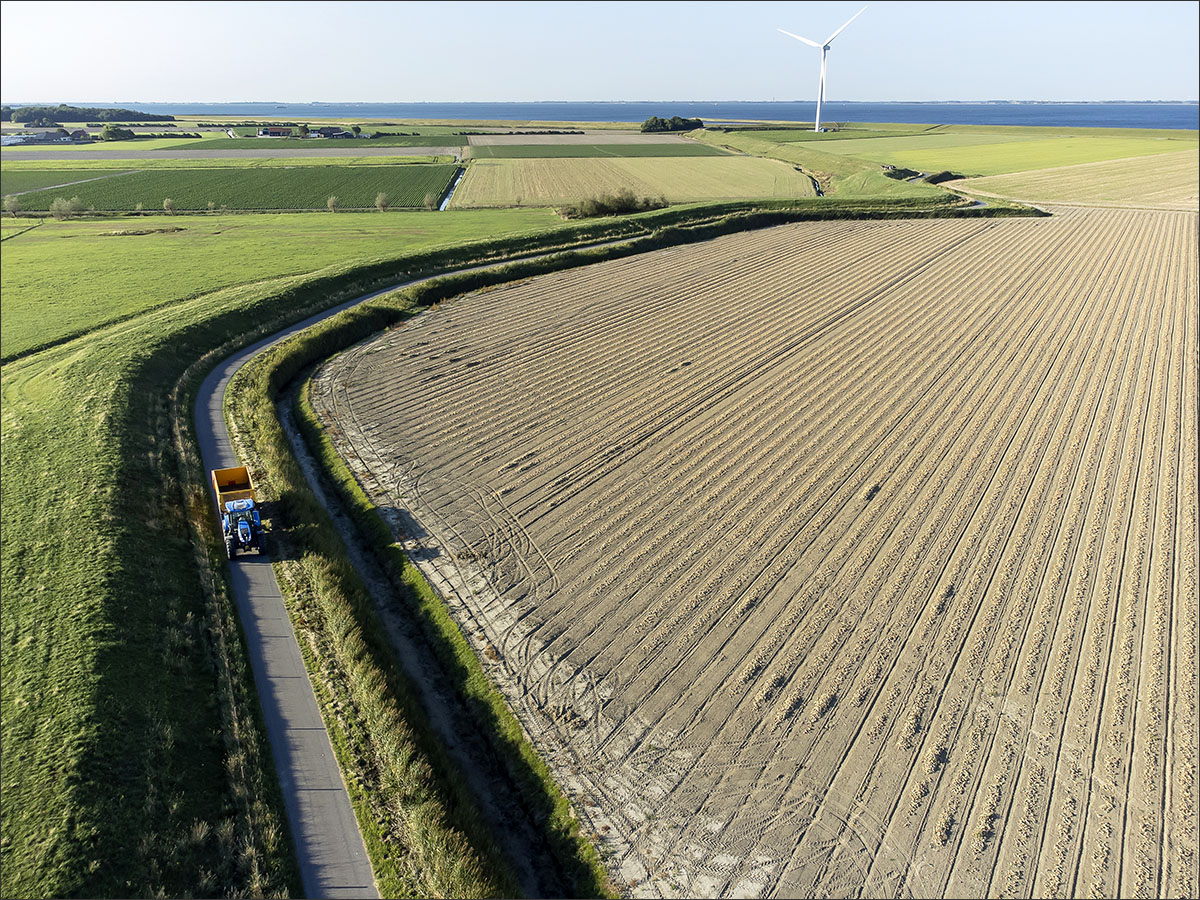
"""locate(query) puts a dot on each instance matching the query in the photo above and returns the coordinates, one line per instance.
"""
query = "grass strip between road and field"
(327, 571)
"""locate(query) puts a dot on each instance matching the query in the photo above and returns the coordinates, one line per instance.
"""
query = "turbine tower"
(824, 48)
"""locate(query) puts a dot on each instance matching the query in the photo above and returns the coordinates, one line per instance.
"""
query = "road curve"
(329, 847)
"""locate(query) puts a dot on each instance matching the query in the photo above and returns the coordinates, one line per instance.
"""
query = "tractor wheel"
(230, 549)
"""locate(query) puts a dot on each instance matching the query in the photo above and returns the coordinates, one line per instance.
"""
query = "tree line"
(65, 113)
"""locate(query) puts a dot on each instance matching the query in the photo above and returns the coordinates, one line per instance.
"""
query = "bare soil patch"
(841, 559)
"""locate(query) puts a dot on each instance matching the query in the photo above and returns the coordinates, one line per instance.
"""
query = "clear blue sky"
(349, 51)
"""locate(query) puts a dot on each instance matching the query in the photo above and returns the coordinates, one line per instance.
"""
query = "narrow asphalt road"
(329, 847)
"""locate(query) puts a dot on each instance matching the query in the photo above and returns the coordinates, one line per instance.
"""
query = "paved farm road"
(333, 860)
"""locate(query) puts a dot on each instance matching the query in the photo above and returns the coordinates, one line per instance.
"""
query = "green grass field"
(65, 278)
(799, 135)
(551, 182)
(262, 188)
(569, 151)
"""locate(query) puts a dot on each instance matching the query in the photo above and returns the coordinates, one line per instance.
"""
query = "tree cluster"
(675, 123)
(64, 113)
(113, 133)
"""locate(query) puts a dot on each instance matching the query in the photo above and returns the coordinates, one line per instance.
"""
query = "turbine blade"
(848, 21)
(806, 40)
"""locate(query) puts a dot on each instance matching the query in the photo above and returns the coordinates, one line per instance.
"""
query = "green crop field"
(259, 188)
(991, 153)
(13, 181)
(65, 278)
(569, 151)
(19, 164)
(551, 182)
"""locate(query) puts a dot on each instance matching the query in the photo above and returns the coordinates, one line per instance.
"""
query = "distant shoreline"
(1095, 114)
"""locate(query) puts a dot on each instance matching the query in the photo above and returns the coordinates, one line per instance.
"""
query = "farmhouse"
(329, 131)
(275, 131)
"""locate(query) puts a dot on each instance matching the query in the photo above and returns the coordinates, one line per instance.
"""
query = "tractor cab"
(242, 525)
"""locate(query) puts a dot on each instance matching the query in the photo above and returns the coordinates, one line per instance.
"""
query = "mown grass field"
(1164, 181)
(1000, 153)
(550, 182)
(65, 278)
(263, 188)
(566, 151)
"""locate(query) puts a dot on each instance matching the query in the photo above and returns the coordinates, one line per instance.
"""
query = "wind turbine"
(824, 48)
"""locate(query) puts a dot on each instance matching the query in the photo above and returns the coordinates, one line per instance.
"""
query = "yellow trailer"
(232, 484)
(241, 523)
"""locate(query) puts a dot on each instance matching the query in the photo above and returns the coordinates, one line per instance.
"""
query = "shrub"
(169, 206)
(62, 208)
(624, 201)
(381, 201)
(332, 204)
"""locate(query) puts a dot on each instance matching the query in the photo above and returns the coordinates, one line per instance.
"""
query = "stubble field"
(1169, 181)
(841, 559)
(554, 181)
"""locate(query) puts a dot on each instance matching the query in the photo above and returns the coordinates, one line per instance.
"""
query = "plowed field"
(839, 559)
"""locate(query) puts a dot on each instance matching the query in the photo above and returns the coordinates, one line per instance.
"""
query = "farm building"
(275, 131)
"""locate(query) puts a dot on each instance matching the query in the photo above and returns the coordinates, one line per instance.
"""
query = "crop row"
(309, 187)
(885, 526)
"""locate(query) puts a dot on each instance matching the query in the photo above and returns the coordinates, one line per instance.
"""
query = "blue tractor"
(242, 527)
